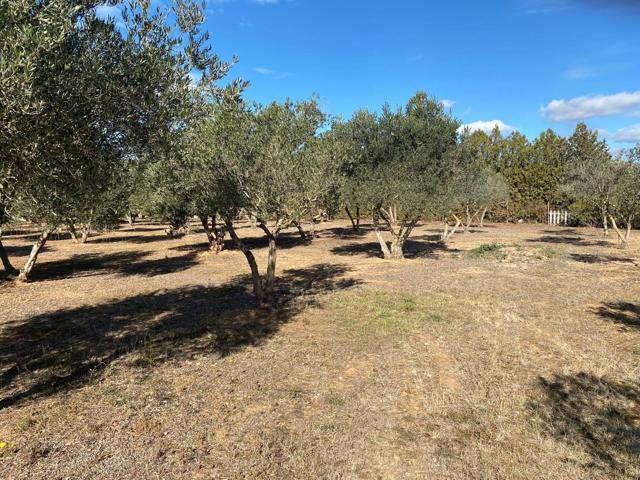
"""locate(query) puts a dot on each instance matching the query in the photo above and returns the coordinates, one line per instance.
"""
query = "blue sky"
(530, 64)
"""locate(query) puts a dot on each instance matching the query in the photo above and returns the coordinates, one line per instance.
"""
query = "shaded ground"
(511, 353)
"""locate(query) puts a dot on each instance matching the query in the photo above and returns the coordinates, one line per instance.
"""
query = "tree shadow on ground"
(562, 231)
(345, 232)
(32, 236)
(21, 250)
(120, 263)
(138, 239)
(285, 241)
(623, 313)
(592, 258)
(413, 248)
(64, 349)
(125, 227)
(597, 414)
(570, 240)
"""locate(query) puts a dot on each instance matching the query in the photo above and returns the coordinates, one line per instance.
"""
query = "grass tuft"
(487, 248)
(388, 313)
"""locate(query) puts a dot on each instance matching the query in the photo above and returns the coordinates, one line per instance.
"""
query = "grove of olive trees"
(102, 121)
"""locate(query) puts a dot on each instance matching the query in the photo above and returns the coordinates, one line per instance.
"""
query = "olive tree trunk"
(484, 213)
(33, 256)
(5, 260)
(386, 253)
(623, 238)
(469, 219)
(215, 235)
(269, 283)
(301, 232)
(605, 222)
(355, 222)
(251, 260)
(399, 229)
(447, 234)
(86, 231)
(72, 231)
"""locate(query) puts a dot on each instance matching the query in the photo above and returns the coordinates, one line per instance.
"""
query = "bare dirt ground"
(513, 353)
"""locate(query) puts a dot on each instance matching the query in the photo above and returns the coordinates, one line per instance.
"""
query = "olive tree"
(104, 96)
(270, 171)
(625, 201)
(405, 177)
(30, 32)
(354, 141)
(478, 186)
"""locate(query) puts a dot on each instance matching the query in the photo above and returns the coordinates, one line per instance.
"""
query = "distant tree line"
(104, 121)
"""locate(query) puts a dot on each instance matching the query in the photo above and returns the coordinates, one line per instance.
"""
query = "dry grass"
(511, 354)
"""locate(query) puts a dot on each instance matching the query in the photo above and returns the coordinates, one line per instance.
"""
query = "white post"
(566, 218)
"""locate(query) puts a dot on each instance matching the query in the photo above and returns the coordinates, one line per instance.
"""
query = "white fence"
(558, 217)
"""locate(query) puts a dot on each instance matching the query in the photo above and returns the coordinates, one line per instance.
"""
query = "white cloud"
(448, 103)
(264, 71)
(629, 134)
(487, 126)
(589, 106)
(274, 74)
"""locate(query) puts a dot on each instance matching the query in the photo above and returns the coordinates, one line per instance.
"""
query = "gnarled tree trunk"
(355, 222)
(253, 265)
(301, 232)
(33, 256)
(86, 231)
(400, 231)
(72, 231)
(467, 213)
(386, 253)
(215, 235)
(5, 260)
(269, 283)
(484, 213)
(447, 234)
(623, 239)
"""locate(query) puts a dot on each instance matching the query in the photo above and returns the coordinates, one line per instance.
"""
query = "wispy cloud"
(487, 126)
(629, 134)
(264, 71)
(274, 74)
(590, 106)
(448, 103)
